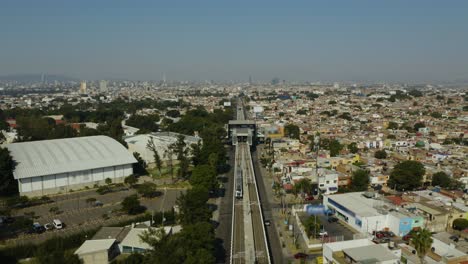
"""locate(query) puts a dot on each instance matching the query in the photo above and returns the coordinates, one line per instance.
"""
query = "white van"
(57, 224)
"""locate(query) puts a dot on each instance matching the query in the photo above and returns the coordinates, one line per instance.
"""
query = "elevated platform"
(242, 131)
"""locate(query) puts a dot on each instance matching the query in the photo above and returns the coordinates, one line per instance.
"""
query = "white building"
(60, 165)
(366, 213)
(97, 251)
(328, 181)
(359, 251)
(83, 89)
(162, 141)
(103, 86)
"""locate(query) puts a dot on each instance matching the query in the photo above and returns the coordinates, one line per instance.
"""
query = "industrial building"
(60, 165)
(366, 212)
(162, 141)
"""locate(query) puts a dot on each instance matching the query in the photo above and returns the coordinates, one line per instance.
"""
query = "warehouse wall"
(64, 182)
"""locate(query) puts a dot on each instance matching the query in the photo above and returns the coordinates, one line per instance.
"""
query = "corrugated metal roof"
(46, 157)
(95, 245)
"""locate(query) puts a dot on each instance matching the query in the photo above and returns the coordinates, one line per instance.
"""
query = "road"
(273, 239)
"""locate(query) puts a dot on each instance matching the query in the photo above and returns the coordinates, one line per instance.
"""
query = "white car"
(323, 233)
(48, 226)
(57, 224)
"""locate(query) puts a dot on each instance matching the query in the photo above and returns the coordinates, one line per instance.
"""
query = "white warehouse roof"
(47, 157)
(95, 245)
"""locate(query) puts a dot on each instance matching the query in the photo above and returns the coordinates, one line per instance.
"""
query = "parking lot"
(76, 213)
(337, 228)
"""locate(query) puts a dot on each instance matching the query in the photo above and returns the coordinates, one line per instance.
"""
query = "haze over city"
(217, 40)
(237, 132)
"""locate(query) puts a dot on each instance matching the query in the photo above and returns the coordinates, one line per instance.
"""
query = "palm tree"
(422, 242)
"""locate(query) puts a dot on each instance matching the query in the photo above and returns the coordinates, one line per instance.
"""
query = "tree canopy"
(360, 180)
(441, 179)
(8, 185)
(422, 242)
(352, 147)
(204, 176)
(292, 131)
(407, 175)
(460, 224)
(193, 207)
(380, 154)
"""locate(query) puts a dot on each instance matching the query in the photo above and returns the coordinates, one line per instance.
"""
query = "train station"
(242, 131)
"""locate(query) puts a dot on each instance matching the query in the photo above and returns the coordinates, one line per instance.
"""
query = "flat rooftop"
(370, 254)
(357, 203)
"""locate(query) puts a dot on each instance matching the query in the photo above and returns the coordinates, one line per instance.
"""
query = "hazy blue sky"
(230, 40)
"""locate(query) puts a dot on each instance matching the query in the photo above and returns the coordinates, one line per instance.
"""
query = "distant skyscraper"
(83, 87)
(250, 79)
(103, 86)
(42, 78)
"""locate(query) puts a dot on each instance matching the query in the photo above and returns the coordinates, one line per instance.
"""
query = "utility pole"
(317, 146)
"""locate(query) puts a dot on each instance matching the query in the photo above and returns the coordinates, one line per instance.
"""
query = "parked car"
(98, 204)
(48, 226)
(332, 219)
(379, 234)
(6, 219)
(57, 224)
(38, 228)
(300, 255)
(267, 223)
(309, 198)
(323, 233)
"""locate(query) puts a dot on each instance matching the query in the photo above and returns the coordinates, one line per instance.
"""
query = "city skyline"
(301, 41)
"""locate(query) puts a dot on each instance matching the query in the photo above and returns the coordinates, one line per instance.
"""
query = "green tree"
(441, 179)
(179, 147)
(196, 151)
(312, 226)
(8, 185)
(292, 131)
(302, 186)
(147, 189)
(422, 242)
(418, 125)
(460, 224)
(130, 180)
(346, 116)
(193, 206)
(353, 148)
(144, 122)
(108, 181)
(335, 147)
(183, 171)
(131, 205)
(380, 154)
(173, 113)
(134, 258)
(157, 159)
(194, 244)
(415, 93)
(139, 167)
(407, 175)
(360, 180)
(204, 176)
